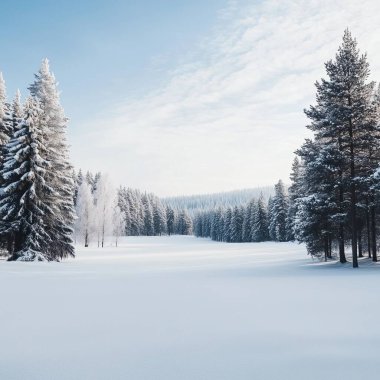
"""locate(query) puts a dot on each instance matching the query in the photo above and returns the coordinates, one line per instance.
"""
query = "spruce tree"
(260, 222)
(6, 130)
(23, 207)
(61, 222)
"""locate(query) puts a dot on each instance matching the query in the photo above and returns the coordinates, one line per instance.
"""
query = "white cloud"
(231, 115)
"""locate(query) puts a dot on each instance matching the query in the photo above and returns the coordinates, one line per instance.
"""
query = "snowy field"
(185, 308)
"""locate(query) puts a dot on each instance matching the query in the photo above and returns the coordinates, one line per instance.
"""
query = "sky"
(183, 97)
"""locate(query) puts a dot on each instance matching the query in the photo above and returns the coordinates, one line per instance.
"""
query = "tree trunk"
(330, 247)
(373, 233)
(354, 228)
(342, 255)
(360, 245)
(368, 231)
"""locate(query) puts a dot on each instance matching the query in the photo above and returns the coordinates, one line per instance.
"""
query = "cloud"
(231, 115)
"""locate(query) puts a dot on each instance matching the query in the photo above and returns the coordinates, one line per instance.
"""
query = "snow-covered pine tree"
(170, 219)
(227, 225)
(148, 227)
(344, 117)
(159, 217)
(260, 222)
(23, 193)
(294, 192)
(279, 212)
(253, 212)
(17, 112)
(6, 127)
(236, 225)
(184, 224)
(318, 213)
(59, 177)
(247, 222)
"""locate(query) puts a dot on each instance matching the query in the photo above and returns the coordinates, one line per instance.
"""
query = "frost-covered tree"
(23, 207)
(118, 222)
(260, 230)
(148, 227)
(278, 213)
(86, 216)
(170, 220)
(6, 127)
(236, 225)
(104, 199)
(159, 217)
(184, 223)
(59, 177)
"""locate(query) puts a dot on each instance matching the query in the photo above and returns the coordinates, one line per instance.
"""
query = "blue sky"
(181, 97)
(101, 51)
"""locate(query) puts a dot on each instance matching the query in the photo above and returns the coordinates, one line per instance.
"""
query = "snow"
(176, 308)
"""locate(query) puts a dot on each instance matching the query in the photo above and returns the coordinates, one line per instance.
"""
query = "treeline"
(257, 221)
(202, 202)
(36, 187)
(103, 211)
(145, 214)
(334, 195)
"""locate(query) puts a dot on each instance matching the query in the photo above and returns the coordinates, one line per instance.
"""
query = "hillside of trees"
(203, 202)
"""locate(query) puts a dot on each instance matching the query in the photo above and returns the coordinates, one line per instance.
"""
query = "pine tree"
(23, 193)
(344, 121)
(185, 224)
(148, 217)
(260, 222)
(170, 220)
(6, 129)
(294, 194)
(279, 211)
(59, 178)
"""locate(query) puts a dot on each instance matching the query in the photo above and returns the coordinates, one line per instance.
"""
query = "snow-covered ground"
(185, 308)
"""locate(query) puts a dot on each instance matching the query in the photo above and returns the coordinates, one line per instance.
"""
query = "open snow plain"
(173, 308)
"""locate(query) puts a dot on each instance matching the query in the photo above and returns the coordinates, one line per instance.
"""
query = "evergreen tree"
(185, 224)
(345, 123)
(6, 129)
(148, 217)
(294, 192)
(170, 220)
(23, 193)
(59, 178)
(279, 211)
(260, 222)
